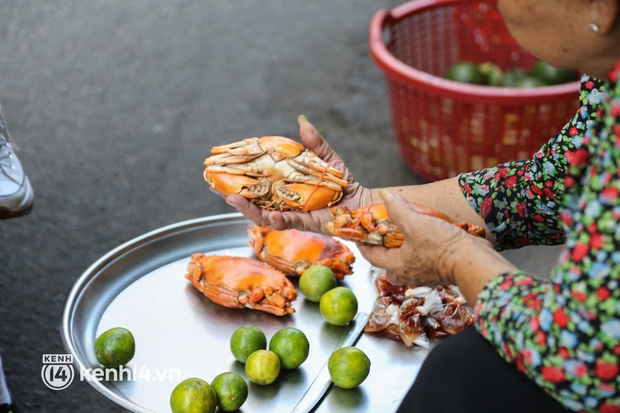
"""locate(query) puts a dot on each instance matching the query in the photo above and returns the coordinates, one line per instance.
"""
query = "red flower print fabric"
(563, 333)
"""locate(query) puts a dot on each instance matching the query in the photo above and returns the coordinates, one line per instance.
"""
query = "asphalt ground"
(115, 104)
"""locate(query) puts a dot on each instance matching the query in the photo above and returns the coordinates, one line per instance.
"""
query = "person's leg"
(7, 405)
(5, 397)
(16, 194)
(465, 374)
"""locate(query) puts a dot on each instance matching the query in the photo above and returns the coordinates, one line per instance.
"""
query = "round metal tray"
(179, 333)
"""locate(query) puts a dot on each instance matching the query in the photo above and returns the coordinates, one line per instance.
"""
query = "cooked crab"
(293, 251)
(372, 225)
(275, 173)
(239, 282)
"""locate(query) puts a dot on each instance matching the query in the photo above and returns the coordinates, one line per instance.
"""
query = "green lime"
(338, 306)
(316, 281)
(291, 345)
(553, 76)
(245, 341)
(466, 72)
(263, 367)
(115, 347)
(512, 77)
(348, 367)
(530, 81)
(193, 395)
(231, 390)
(493, 73)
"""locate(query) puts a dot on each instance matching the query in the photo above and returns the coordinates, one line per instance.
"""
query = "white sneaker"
(16, 194)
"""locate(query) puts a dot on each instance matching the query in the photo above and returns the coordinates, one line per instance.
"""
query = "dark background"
(115, 104)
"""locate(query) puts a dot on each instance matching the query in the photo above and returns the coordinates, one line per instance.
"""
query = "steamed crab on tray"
(239, 282)
(293, 252)
(275, 173)
(262, 283)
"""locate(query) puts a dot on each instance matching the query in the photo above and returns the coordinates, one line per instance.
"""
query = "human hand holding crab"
(435, 252)
(353, 195)
(277, 182)
(444, 196)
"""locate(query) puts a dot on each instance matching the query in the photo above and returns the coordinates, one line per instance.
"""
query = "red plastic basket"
(443, 127)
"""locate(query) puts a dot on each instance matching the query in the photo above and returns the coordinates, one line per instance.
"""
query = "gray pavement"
(115, 104)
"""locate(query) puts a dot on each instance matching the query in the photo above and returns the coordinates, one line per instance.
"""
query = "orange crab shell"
(275, 173)
(293, 251)
(239, 282)
(372, 224)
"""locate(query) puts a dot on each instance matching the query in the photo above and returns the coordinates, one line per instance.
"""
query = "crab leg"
(325, 173)
(219, 295)
(245, 147)
(245, 169)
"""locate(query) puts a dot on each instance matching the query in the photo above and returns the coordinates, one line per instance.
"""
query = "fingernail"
(301, 119)
(386, 195)
(228, 202)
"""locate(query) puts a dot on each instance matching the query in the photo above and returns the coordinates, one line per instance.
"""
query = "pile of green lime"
(228, 391)
(490, 74)
(288, 349)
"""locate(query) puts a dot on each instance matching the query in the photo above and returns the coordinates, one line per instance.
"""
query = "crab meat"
(275, 173)
(239, 282)
(292, 251)
(413, 314)
(372, 224)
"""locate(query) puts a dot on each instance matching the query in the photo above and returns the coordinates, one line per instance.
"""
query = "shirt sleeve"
(520, 200)
(565, 333)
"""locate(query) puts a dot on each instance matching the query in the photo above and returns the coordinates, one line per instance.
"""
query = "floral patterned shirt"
(563, 333)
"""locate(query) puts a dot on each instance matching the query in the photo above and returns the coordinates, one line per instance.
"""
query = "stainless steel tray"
(179, 333)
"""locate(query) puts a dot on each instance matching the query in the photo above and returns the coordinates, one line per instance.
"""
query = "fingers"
(399, 210)
(379, 256)
(397, 279)
(304, 221)
(313, 140)
(248, 209)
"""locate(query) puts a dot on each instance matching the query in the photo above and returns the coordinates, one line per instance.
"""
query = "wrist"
(476, 264)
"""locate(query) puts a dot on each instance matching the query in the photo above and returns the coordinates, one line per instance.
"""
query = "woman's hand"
(354, 195)
(435, 252)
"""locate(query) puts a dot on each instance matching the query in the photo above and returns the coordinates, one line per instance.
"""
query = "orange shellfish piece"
(292, 251)
(372, 224)
(239, 282)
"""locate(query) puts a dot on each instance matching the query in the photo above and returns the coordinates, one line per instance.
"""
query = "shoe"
(16, 194)
(9, 408)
